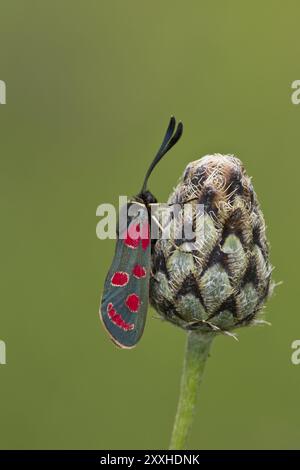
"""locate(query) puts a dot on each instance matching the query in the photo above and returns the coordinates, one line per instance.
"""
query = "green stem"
(197, 350)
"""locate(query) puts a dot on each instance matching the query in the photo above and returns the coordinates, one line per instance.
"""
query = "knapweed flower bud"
(221, 280)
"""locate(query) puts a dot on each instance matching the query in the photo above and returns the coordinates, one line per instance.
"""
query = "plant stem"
(197, 350)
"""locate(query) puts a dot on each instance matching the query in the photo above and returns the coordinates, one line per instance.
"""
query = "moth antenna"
(169, 141)
(168, 134)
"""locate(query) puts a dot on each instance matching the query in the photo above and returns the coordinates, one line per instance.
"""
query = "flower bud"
(220, 281)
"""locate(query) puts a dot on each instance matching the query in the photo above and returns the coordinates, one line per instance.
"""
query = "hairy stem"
(197, 350)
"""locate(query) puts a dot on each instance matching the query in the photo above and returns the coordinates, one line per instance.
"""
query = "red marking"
(145, 236)
(145, 243)
(139, 271)
(117, 319)
(119, 279)
(133, 302)
(131, 242)
(135, 234)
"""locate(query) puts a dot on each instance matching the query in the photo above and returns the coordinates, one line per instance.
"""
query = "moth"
(125, 297)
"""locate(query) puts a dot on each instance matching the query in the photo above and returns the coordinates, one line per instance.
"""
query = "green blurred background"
(90, 88)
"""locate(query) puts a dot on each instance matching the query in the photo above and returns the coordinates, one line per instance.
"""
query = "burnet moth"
(125, 298)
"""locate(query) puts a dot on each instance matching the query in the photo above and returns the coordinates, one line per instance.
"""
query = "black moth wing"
(125, 299)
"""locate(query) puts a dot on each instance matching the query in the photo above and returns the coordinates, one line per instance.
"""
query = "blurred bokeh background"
(90, 88)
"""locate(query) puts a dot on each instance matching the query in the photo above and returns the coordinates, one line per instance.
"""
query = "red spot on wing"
(131, 242)
(145, 236)
(117, 319)
(119, 279)
(136, 234)
(139, 271)
(133, 302)
(145, 243)
(132, 239)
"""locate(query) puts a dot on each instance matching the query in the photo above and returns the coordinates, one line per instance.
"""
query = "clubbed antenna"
(169, 141)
